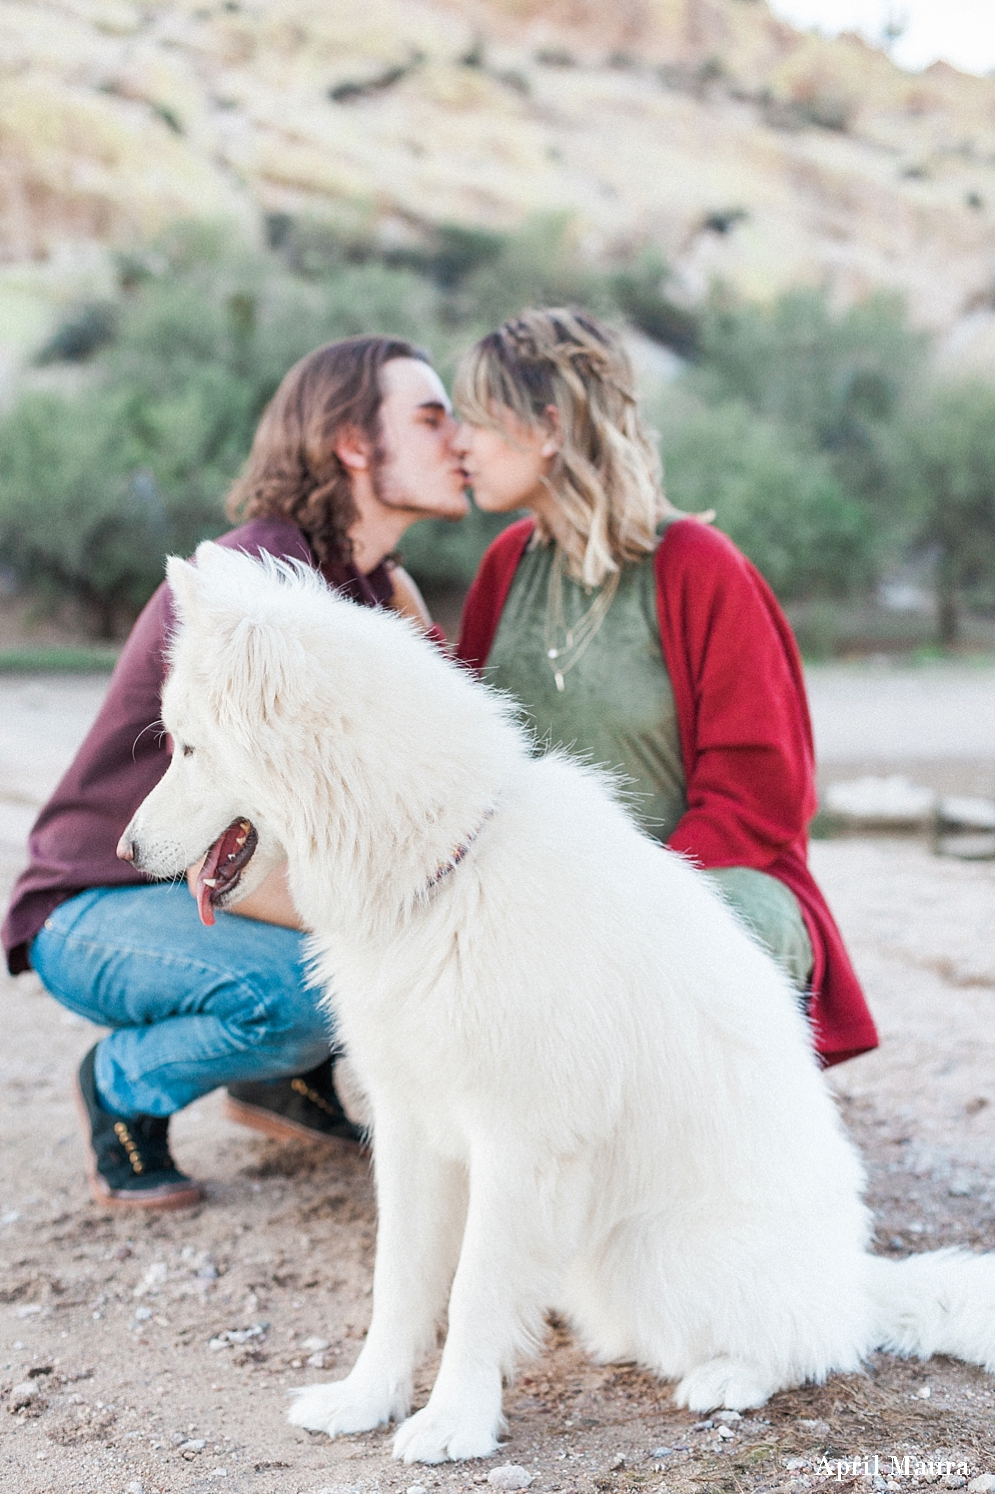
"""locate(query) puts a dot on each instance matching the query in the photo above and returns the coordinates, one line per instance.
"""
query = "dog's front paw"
(437, 1434)
(345, 1406)
(723, 1382)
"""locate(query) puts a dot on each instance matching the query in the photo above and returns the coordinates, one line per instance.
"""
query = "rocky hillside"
(742, 148)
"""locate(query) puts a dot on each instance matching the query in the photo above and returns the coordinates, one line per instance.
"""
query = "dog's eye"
(187, 750)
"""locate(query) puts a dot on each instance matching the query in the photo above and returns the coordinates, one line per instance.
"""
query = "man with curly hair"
(355, 446)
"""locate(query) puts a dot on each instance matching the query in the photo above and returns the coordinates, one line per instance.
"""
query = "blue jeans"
(191, 1007)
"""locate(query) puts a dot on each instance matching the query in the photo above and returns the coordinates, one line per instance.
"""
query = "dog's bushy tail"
(942, 1302)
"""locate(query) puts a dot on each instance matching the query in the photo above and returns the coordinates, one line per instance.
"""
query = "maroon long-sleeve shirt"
(73, 842)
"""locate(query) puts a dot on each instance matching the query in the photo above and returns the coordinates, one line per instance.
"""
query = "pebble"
(983, 1484)
(617, 1462)
(135, 1487)
(417, 1489)
(727, 1416)
(193, 1444)
(142, 1314)
(510, 1476)
(315, 1346)
(726, 1432)
(661, 1452)
(924, 1394)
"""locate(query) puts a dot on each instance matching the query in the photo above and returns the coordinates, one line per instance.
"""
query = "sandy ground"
(158, 1351)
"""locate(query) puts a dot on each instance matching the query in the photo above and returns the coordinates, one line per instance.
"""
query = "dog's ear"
(183, 583)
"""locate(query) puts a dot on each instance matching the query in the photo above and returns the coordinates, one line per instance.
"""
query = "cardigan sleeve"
(486, 597)
(746, 735)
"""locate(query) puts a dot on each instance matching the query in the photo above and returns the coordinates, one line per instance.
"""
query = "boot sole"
(102, 1193)
(270, 1124)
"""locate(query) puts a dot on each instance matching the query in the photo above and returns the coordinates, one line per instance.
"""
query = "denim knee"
(289, 1025)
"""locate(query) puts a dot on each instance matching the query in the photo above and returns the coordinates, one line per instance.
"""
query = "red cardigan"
(746, 739)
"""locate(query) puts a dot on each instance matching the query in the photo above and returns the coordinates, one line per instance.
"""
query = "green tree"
(779, 501)
(834, 378)
(942, 469)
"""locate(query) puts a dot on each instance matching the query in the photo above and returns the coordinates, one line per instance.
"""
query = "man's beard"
(391, 493)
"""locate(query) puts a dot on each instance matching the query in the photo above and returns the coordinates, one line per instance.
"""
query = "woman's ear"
(552, 447)
(353, 449)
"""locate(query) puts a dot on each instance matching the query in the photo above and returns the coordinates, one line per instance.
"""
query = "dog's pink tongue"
(227, 845)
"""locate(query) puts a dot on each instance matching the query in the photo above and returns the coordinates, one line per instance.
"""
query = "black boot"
(306, 1107)
(130, 1163)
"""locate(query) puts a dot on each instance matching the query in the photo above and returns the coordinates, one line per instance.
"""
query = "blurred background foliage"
(827, 445)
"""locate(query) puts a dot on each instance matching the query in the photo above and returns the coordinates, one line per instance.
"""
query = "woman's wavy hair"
(607, 476)
(292, 471)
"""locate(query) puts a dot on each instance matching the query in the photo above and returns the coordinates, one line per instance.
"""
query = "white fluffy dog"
(590, 1089)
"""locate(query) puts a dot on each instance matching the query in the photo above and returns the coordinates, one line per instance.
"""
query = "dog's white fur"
(590, 1088)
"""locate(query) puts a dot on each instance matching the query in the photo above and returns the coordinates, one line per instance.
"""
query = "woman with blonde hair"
(640, 638)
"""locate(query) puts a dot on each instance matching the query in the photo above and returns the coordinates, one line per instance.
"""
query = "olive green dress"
(616, 709)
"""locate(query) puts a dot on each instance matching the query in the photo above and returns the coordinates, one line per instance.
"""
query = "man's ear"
(184, 584)
(353, 449)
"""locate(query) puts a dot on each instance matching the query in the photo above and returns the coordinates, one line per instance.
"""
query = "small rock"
(509, 1476)
(618, 1461)
(30, 1310)
(661, 1452)
(218, 1473)
(727, 1416)
(22, 1394)
(954, 1481)
(703, 1426)
(315, 1346)
(154, 1278)
(894, 801)
(726, 1432)
(417, 1489)
(193, 1444)
(142, 1314)
(924, 1394)
(316, 1361)
(983, 1484)
(795, 1465)
(135, 1487)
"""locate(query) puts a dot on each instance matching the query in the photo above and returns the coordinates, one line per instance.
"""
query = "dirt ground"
(155, 1353)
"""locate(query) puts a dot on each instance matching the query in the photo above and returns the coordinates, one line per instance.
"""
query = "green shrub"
(779, 502)
(942, 469)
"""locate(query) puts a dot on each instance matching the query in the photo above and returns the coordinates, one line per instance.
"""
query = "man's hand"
(270, 903)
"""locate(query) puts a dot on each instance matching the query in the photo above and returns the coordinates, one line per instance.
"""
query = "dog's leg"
(504, 1279)
(420, 1202)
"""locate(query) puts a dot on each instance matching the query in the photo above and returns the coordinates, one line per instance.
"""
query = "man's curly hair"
(292, 471)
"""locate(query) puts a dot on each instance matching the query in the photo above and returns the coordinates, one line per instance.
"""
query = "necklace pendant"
(559, 681)
(552, 653)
